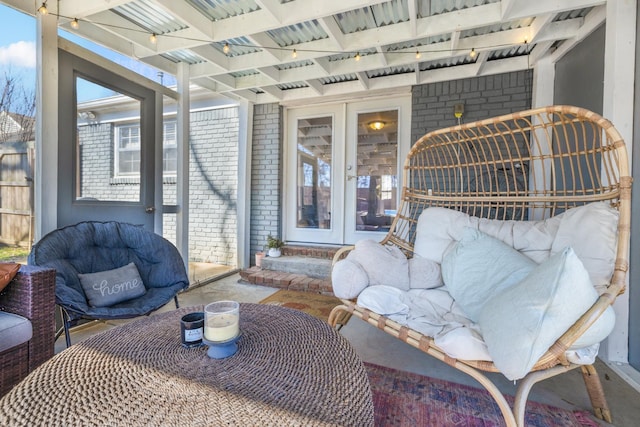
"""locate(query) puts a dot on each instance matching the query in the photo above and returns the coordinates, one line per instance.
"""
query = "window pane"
(377, 185)
(315, 144)
(169, 151)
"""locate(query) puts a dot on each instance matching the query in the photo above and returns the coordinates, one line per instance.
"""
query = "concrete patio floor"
(374, 346)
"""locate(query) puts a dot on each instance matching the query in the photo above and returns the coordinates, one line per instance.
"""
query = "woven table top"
(290, 369)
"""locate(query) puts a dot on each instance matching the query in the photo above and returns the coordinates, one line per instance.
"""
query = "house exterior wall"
(483, 97)
(432, 108)
(266, 175)
(213, 182)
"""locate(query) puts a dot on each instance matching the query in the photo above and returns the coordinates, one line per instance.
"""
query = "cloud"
(19, 54)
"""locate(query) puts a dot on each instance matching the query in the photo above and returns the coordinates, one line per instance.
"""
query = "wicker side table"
(290, 369)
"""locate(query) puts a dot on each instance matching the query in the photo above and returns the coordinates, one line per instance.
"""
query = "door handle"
(150, 209)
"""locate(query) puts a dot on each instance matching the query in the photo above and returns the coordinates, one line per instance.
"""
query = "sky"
(18, 53)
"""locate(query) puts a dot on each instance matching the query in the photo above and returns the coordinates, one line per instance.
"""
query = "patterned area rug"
(314, 304)
(412, 400)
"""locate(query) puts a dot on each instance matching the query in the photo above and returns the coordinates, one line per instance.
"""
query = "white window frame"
(166, 144)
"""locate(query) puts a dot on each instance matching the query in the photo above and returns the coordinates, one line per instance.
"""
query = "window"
(128, 150)
(127, 155)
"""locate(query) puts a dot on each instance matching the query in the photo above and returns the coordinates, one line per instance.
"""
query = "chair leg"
(175, 298)
(596, 393)
(67, 334)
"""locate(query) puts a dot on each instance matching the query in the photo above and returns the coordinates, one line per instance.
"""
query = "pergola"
(297, 52)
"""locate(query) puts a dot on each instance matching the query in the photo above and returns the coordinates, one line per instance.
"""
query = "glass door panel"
(377, 170)
(314, 175)
(314, 152)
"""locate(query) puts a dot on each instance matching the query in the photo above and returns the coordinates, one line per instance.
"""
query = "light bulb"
(418, 54)
(473, 53)
(153, 38)
(42, 10)
(226, 48)
(75, 24)
(357, 58)
(294, 54)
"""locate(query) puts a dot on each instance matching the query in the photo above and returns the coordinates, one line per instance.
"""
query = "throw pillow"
(479, 267)
(8, 271)
(591, 230)
(522, 322)
(348, 279)
(424, 273)
(106, 288)
(384, 264)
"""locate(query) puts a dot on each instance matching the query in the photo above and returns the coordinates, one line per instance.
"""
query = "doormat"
(317, 305)
(407, 399)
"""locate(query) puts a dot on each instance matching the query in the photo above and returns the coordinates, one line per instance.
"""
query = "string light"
(42, 10)
(153, 38)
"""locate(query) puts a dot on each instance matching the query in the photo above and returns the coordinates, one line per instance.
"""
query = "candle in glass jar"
(221, 327)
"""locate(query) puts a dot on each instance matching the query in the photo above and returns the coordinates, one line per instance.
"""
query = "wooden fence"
(16, 193)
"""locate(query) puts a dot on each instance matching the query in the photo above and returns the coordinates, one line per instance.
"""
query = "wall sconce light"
(458, 110)
(377, 125)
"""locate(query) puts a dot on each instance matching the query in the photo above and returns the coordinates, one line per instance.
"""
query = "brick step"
(322, 252)
(284, 280)
(317, 268)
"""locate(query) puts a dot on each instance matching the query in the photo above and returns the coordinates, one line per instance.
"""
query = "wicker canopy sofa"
(549, 188)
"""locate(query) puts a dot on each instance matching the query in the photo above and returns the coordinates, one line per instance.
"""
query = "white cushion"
(387, 301)
(591, 230)
(385, 265)
(439, 229)
(424, 273)
(479, 267)
(348, 279)
(520, 323)
(431, 312)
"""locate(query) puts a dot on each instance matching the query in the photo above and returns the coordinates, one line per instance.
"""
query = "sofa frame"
(523, 166)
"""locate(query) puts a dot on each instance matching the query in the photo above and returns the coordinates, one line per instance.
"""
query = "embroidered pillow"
(106, 288)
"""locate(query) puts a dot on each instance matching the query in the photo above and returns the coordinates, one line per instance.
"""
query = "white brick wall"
(266, 175)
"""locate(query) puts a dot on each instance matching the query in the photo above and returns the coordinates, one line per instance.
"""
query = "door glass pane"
(315, 144)
(377, 160)
(108, 146)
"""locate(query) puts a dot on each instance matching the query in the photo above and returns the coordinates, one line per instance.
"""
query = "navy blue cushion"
(91, 247)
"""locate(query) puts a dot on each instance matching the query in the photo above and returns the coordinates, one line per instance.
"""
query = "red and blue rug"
(406, 399)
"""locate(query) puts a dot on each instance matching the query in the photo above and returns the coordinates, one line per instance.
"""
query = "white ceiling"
(507, 35)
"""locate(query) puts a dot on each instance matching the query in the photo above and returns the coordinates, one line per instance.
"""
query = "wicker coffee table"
(290, 369)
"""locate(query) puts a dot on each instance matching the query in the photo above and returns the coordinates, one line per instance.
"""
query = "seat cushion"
(14, 330)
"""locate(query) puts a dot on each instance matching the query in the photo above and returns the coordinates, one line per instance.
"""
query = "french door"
(343, 169)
